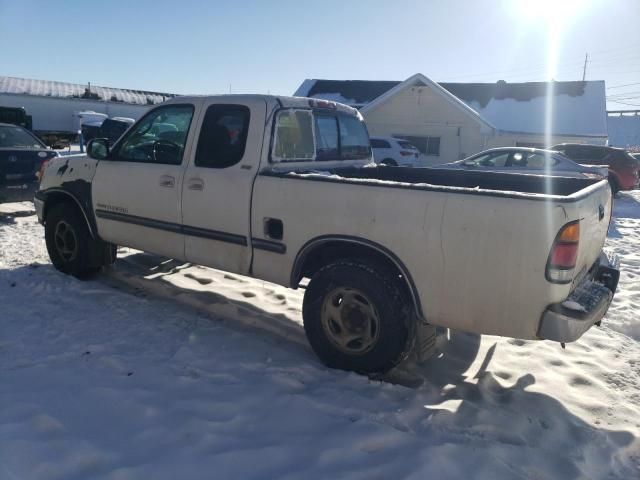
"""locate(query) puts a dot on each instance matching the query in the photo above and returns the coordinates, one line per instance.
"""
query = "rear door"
(216, 195)
(136, 192)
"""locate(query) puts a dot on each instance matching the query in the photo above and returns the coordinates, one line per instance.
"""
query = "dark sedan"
(21, 154)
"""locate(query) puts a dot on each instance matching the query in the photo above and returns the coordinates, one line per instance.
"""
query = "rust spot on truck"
(61, 171)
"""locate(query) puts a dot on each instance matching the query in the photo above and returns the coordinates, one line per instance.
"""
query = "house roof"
(46, 88)
(579, 107)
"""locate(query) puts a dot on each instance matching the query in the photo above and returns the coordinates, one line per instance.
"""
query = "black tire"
(389, 162)
(615, 188)
(393, 340)
(82, 261)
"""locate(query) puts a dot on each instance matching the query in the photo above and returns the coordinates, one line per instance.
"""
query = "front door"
(136, 192)
(216, 194)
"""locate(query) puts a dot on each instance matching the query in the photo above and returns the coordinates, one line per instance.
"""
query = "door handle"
(167, 181)
(195, 184)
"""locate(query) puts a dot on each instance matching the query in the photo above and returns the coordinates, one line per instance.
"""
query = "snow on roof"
(351, 92)
(624, 131)
(579, 107)
(46, 88)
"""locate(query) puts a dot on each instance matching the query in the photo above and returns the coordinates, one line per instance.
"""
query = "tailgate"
(594, 212)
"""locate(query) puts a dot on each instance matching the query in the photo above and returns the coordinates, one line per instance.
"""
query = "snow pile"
(121, 377)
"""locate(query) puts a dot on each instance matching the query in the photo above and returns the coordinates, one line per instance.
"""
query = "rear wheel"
(356, 317)
(71, 248)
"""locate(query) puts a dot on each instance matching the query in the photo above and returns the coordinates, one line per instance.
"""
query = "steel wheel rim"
(350, 321)
(66, 241)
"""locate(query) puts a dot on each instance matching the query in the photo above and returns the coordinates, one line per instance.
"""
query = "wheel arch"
(323, 250)
(55, 196)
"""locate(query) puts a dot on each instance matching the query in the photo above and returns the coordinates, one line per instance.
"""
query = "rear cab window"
(303, 135)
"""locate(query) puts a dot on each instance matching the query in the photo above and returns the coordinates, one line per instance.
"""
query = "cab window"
(160, 137)
(223, 136)
(305, 135)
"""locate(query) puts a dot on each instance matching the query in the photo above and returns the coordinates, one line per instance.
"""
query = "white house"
(449, 121)
(54, 105)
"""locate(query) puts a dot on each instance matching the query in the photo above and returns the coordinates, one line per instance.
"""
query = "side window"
(354, 140)
(518, 160)
(294, 136)
(493, 160)
(327, 147)
(537, 161)
(377, 143)
(223, 136)
(159, 137)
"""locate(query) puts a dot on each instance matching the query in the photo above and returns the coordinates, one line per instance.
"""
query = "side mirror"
(98, 149)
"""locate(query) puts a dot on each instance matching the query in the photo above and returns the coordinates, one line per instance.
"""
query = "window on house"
(426, 145)
(223, 136)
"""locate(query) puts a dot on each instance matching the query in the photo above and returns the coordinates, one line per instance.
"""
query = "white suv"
(394, 152)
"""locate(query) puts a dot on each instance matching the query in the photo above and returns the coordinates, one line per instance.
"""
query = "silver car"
(527, 160)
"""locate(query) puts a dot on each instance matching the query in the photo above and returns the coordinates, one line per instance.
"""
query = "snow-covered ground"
(162, 370)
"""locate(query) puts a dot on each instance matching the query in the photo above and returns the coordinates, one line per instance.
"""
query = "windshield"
(16, 137)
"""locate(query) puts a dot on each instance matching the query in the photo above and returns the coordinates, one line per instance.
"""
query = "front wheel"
(71, 248)
(356, 317)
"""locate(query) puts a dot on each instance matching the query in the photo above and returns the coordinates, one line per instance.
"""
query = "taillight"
(40, 173)
(564, 253)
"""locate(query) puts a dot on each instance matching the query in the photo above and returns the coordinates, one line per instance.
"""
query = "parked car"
(533, 161)
(21, 154)
(91, 130)
(624, 171)
(113, 128)
(282, 189)
(394, 151)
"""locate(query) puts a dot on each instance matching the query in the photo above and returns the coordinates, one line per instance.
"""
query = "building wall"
(419, 111)
(59, 114)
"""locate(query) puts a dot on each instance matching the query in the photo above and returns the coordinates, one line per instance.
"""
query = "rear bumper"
(585, 306)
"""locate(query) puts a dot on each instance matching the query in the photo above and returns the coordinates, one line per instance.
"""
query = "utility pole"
(584, 70)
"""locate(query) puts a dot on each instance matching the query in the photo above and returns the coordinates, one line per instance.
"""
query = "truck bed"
(491, 183)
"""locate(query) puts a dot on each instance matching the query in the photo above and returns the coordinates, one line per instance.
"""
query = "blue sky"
(271, 46)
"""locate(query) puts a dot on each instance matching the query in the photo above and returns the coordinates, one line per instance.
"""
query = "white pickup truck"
(283, 189)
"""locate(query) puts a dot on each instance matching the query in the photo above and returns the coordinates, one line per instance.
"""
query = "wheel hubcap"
(350, 321)
(66, 241)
